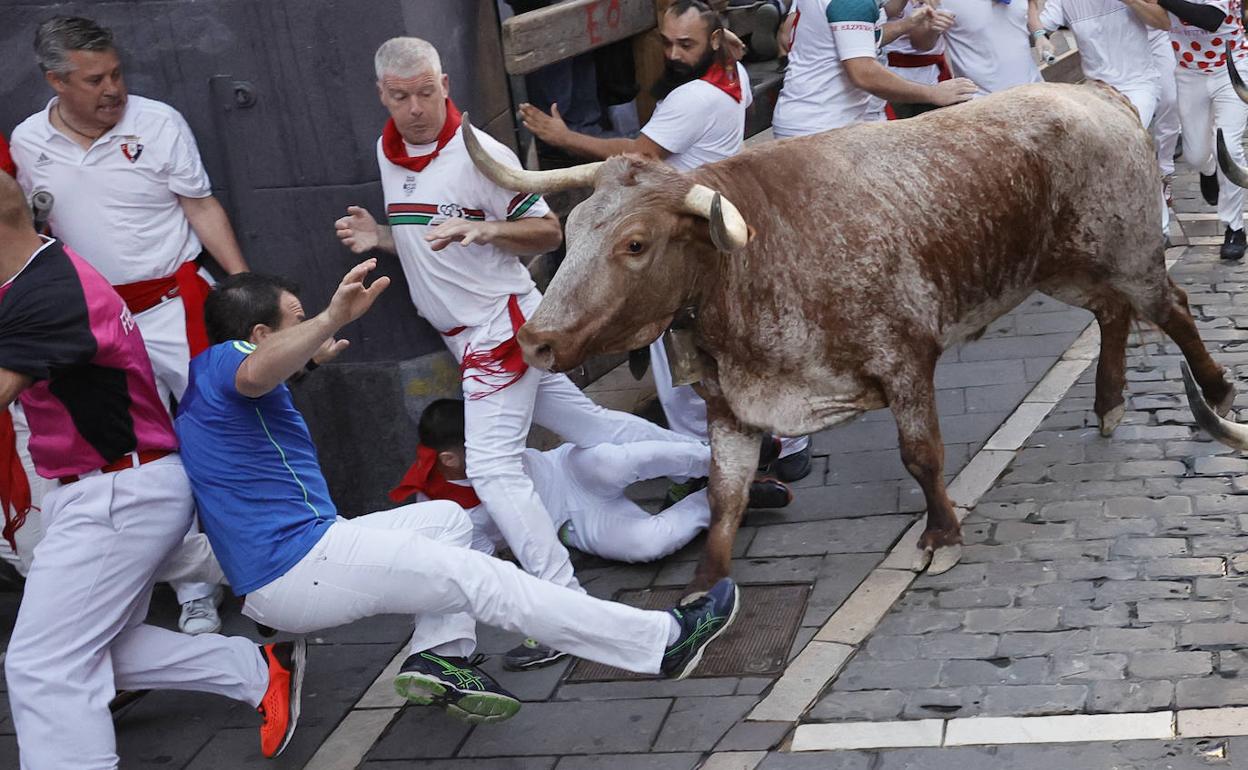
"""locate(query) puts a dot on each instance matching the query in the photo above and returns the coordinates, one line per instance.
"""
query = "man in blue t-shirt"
(265, 507)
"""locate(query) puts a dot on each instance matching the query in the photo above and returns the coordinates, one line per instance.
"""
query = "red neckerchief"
(725, 79)
(392, 141)
(425, 477)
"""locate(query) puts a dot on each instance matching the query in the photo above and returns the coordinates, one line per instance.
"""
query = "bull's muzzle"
(537, 348)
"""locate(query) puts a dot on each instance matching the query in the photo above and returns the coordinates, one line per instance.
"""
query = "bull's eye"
(634, 247)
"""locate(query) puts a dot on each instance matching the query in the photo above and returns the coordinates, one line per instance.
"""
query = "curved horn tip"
(1235, 173)
(1237, 82)
(1221, 429)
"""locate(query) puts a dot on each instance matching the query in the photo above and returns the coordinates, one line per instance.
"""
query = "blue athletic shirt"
(262, 498)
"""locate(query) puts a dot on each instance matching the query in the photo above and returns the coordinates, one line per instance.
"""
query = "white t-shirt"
(989, 44)
(459, 285)
(698, 123)
(817, 94)
(1201, 51)
(1113, 42)
(117, 202)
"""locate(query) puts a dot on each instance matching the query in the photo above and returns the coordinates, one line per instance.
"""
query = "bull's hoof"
(1111, 420)
(932, 539)
(1223, 407)
(944, 559)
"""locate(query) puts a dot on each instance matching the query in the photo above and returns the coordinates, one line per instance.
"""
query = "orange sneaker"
(280, 706)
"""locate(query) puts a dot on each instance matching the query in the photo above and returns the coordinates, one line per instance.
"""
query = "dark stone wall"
(282, 100)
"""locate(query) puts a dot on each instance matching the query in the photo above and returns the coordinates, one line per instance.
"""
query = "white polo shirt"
(1113, 42)
(698, 123)
(459, 285)
(817, 94)
(116, 203)
(989, 44)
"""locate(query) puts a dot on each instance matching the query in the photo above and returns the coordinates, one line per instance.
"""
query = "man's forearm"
(895, 29)
(282, 354)
(528, 236)
(1150, 13)
(1207, 17)
(596, 148)
(385, 239)
(875, 78)
(208, 220)
(11, 386)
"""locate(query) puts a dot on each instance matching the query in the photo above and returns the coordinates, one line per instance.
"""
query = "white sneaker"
(199, 616)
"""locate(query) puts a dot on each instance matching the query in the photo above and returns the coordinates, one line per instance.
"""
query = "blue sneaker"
(457, 685)
(701, 622)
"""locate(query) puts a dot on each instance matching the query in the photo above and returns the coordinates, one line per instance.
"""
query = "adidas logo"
(42, 160)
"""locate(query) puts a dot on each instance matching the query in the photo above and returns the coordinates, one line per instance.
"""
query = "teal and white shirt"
(459, 285)
(818, 94)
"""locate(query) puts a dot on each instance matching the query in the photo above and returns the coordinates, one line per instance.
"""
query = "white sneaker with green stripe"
(456, 684)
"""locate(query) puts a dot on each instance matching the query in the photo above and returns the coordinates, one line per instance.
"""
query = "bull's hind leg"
(734, 457)
(1175, 319)
(911, 395)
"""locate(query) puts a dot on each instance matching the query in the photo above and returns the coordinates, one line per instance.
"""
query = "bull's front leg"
(734, 458)
(911, 394)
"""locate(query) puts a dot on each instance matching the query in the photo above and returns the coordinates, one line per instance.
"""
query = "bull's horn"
(1229, 433)
(520, 180)
(1236, 81)
(728, 229)
(1237, 174)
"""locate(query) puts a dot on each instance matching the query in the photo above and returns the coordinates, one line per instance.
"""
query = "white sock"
(673, 630)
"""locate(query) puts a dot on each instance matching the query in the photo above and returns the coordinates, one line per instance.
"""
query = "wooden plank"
(547, 35)
(648, 63)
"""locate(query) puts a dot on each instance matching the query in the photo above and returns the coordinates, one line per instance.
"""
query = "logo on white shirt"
(131, 148)
(409, 184)
(43, 159)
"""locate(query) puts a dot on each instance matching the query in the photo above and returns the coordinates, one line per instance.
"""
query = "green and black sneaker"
(458, 685)
(701, 622)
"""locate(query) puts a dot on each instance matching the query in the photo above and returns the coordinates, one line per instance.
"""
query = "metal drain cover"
(757, 644)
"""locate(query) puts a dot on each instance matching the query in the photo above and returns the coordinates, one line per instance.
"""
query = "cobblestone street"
(1099, 576)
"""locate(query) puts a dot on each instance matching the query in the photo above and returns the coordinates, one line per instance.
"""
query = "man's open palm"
(353, 299)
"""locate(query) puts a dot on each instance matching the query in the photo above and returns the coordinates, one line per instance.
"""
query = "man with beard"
(459, 238)
(700, 118)
(132, 195)
(703, 95)
(834, 70)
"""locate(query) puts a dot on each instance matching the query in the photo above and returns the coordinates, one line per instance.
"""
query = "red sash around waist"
(186, 283)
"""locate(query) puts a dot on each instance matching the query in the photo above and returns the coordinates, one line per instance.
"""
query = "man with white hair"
(459, 238)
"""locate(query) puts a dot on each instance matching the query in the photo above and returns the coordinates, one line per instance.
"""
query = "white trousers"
(1208, 102)
(31, 532)
(1145, 99)
(686, 410)
(1166, 126)
(415, 560)
(79, 635)
(496, 428)
(608, 524)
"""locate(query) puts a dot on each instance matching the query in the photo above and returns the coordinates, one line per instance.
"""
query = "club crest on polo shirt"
(131, 148)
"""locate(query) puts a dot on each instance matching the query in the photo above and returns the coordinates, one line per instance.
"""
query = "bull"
(826, 274)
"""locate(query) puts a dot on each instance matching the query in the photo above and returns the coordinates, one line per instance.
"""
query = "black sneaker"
(794, 467)
(1209, 188)
(701, 622)
(531, 654)
(768, 451)
(1233, 244)
(458, 685)
(769, 493)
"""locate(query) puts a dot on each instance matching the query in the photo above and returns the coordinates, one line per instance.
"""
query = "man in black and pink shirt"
(70, 351)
